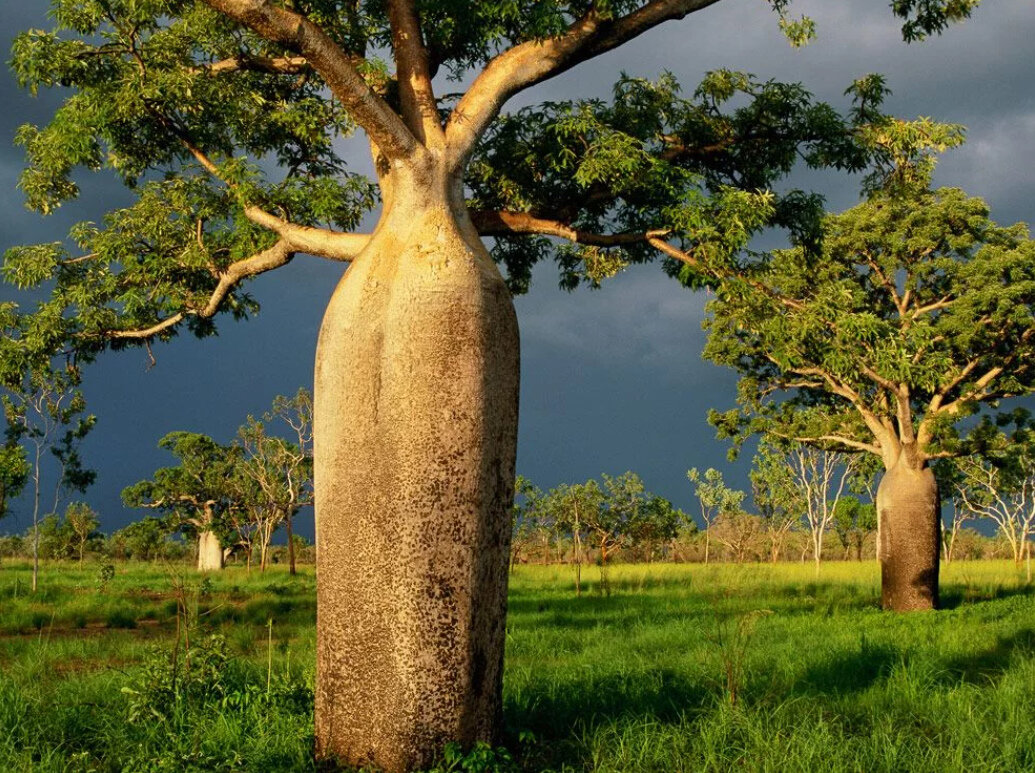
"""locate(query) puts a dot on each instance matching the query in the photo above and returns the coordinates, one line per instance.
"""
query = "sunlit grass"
(680, 668)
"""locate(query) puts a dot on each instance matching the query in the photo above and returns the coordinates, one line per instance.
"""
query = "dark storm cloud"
(612, 380)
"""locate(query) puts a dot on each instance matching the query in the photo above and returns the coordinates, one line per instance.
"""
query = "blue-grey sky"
(612, 380)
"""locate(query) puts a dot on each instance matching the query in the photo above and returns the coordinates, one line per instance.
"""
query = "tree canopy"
(226, 118)
(918, 310)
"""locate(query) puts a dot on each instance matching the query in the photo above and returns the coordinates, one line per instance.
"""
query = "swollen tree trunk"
(910, 537)
(210, 552)
(416, 400)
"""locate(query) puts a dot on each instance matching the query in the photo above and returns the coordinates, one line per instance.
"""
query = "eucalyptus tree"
(918, 310)
(46, 419)
(278, 482)
(296, 412)
(778, 500)
(571, 507)
(196, 495)
(853, 522)
(83, 522)
(193, 103)
(715, 499)
(999, 483)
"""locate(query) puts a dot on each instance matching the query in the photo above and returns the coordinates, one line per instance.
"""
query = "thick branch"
(321, 242)
(846, 442)
(294, 31)
(506, 223)
(413, 72)
(274, 65)
(978, 392)
(527, 64)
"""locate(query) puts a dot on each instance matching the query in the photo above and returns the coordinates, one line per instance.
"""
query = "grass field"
(681, 668)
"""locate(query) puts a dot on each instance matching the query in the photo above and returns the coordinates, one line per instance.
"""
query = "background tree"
(184, 100)
(280, 474)
(297, 413)
(714, 497)
(55, 536)
(740, 533)
(954, 517)
(853, 522)
(142, 539)
(627, 512)
(918, 310)
(83, 522)
(821, 477)
(14, 474)
(524, 524)
(779, 501)
(572, 508)
(46, 416)
(1000, 482)
(658, 526)
(196, 494)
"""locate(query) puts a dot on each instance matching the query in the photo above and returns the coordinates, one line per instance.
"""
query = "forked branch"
(335, 66)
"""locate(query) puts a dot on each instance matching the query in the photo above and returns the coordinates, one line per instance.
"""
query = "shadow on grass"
(956, 594)
(849, 672)
(990, 664)
(556, 714)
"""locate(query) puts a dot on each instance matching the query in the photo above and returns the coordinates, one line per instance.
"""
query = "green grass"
(681, 668)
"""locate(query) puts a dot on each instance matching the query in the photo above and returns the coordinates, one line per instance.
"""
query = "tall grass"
(681, 668)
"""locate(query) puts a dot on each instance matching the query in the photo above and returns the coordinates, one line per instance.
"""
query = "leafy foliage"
(203, 119)
(918, 310)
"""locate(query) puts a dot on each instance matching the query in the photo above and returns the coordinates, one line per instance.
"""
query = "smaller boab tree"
(917, 310)
(196, 495)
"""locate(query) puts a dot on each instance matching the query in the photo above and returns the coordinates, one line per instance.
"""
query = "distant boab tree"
(196, 495)
(193, 103)
(919, 310)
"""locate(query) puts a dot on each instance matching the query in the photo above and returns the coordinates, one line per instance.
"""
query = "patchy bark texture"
(415, 433)
(910, 531)
(210, 552)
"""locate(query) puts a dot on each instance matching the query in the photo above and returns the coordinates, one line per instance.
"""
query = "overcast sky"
(612, 380)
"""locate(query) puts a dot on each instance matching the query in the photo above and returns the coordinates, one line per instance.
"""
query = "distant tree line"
(810, 504)
(220, 502)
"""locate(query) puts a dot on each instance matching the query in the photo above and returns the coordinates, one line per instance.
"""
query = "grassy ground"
(681, 668)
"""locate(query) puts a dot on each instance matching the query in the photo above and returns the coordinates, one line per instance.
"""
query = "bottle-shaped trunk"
(415, 429)
(910, 536)
(210, 552)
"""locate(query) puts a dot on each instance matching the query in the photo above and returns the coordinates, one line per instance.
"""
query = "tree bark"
(210, 552)
(290, 544)
(910, 536)
(416, 399)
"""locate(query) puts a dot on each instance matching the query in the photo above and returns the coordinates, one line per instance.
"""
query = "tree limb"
(296, 32)
(274, 65)
(503, 223)
(413, 71)
(534, 61)
(322, 242)
(259, 263)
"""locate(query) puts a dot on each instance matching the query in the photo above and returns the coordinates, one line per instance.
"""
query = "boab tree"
(195, 495)
(193, 103)
(918, 311)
